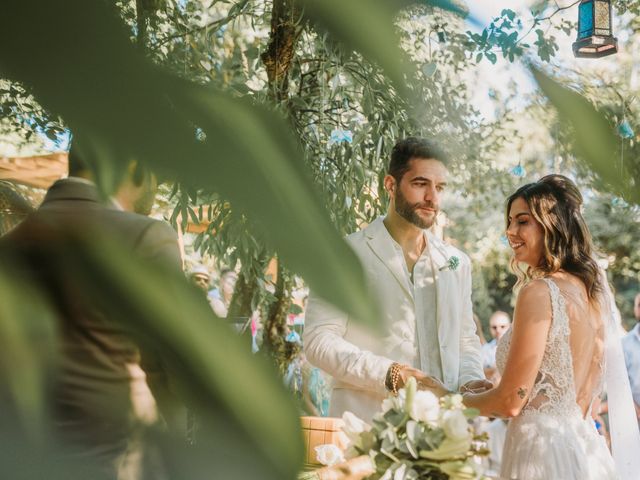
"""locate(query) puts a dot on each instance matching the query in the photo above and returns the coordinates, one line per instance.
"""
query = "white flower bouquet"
(418, 436)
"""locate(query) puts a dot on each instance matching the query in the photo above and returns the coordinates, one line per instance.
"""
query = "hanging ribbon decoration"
(518, 171)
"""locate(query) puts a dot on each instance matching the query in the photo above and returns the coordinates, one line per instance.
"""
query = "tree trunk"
(141, 24)
(286, 28)
(278, 58)
(275, 329)
(240, 306)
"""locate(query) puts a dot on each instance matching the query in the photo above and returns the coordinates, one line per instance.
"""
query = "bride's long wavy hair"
(555, 203)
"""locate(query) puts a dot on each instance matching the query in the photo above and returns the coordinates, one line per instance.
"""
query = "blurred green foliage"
(280, 162)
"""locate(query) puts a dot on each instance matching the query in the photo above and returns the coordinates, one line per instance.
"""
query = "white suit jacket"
(358, 359)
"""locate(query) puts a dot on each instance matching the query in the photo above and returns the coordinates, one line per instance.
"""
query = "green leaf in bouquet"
(368, 440)
(403, 471)
(415, 431)
(401, 447)
(449, 449)
(471, 412)
(411, 448)
(460, 470)
(382, 461)
(390, 435)
(432, 439)
(388, 447)
(378, 424)
(396, 418)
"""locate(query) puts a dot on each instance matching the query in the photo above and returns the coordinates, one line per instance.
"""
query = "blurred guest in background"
(220, 298)
(200, 277)
(499, 323)
(631, 346)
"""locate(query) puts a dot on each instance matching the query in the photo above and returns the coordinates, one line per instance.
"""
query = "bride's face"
(525, 234)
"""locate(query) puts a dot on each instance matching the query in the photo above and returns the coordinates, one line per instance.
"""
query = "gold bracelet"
(393, 375)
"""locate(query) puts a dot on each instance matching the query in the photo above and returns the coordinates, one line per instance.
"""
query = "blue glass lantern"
(595, 35)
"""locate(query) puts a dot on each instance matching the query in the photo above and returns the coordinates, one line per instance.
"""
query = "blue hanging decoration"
(518, 171)
(220, 31)
(625, 130)
(293, 337)
(339, 136)
(619, 202)
(504, 240)
(429, 69)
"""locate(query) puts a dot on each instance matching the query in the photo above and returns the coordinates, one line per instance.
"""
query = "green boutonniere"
(452, 264)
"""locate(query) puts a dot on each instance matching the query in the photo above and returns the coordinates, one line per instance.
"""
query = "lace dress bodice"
(554, 389)
(551, 438)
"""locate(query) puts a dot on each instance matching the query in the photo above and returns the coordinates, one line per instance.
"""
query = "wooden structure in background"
(39, 171)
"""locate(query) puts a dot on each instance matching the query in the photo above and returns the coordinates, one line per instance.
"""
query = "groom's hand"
(476, 386)
(432, 384)
(406, 373)
(424, 381)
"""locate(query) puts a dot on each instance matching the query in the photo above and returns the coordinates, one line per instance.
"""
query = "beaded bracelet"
(393, 375)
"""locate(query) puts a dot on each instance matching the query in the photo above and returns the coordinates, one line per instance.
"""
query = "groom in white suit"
(424, 289)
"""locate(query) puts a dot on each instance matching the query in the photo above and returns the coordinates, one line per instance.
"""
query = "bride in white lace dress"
(552, 360)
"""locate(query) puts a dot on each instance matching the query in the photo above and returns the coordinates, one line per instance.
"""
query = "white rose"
(353, 426)
(329, 454)
(455, 425)
(393, 402)
(388, 403)
(456, 401)
(425, 407)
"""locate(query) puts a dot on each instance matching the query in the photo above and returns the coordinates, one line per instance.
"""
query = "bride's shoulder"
(537, 286)
(535, 292)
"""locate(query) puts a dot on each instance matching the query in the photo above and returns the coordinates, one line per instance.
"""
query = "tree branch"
(537, 21)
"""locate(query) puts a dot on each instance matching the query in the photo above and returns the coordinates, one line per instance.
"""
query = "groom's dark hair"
(413, 147)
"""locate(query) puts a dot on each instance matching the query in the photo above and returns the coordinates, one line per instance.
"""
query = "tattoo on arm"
(522, 392)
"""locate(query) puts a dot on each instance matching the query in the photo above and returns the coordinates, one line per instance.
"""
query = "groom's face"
(417, 196)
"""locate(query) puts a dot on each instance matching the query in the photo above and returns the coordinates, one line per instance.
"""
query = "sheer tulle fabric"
(547, 446)
(625, 436)
(554, 437)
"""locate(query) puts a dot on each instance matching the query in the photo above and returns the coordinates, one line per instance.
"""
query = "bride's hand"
(476, 386)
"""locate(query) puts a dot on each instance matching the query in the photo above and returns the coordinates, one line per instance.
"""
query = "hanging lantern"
(595, 36)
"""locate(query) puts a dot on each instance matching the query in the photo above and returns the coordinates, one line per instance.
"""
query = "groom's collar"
(377, 229)
(388, 251)
(77, 188)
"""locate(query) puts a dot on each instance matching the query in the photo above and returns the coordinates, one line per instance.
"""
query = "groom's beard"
(409, 213)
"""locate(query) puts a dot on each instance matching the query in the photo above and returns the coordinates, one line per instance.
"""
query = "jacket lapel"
(382, 246)
(445, 280)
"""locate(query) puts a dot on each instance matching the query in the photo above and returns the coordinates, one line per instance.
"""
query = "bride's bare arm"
(532, 320)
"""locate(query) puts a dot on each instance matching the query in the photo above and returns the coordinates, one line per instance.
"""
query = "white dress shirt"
(424, 292)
